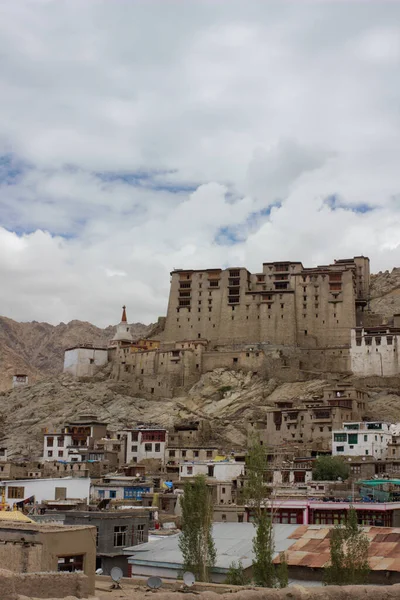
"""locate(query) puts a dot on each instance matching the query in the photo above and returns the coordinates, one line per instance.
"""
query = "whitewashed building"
(19, 380)
(74, 439)
(219, 470)
(55, 488)
(84, 360)
(147, 441)
(375, 350)
(362, 439)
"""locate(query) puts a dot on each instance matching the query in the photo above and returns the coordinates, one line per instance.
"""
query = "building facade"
(362, 439)
(309, 423)
(375, 350)
(74, 440)
(284, 304)
(84, 360)
(145, 442)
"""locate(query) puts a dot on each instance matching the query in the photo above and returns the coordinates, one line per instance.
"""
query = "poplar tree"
(348, 554)
(256, 493)
(196, 542)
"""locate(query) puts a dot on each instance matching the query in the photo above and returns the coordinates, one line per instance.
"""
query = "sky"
(139, 136)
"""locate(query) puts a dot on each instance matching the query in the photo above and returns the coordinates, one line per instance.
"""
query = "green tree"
(330, 468)
(348, 554)
(256, 492)
(236, 574)
(196, 542)
(282, 571)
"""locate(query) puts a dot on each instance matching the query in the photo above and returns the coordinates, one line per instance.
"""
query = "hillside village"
(297, 360)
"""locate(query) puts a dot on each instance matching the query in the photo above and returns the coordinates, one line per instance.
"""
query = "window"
(183, 453)
(134, 449)
(240, 518)
(196, 453)
(365, 438)
(140, 531)
(235, 360)
(50, 453)
(120, 534)
(60, 453)
(157, 447)
(50, 442)
(113, 494)
(70, 564)
(366, 452)
(148, 447)
(209, 453)
(172, 453)
(339, 448)
(15, 492)
(353, 438)
(190, 470)
(60, 442)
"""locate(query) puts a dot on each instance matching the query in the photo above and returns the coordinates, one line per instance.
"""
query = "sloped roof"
(311, 547)
(15, 516)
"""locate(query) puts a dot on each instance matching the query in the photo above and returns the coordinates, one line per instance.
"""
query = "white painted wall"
(20, 380)
(370, 442)
(139, 450)
(44, 489)
(83, 362)
(223, 471)
(382, 360)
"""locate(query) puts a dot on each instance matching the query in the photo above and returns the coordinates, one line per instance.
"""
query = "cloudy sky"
(141, 136)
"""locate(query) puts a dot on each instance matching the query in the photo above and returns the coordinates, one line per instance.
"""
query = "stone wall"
(43, 585)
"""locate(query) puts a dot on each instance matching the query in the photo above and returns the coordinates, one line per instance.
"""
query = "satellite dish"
(154, 583)
(116, 574)
(188, 579)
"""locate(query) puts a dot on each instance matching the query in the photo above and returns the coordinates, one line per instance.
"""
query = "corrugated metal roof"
(233, 542)
(310, 547)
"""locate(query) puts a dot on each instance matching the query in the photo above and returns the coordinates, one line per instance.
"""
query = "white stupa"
(123, 334)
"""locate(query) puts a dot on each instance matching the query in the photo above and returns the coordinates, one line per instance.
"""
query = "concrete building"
(362, 439)
(74, 440)
(33, 548)
(145, 442)
(285, 304)
(18, 490)
(120, 487)
(375, 350)
(115, 530)
(20, 380)
(84, 360)
(309, 422)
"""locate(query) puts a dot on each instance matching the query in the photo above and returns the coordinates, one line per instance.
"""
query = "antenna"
(188, 579)
(116, 575)
(154, 583)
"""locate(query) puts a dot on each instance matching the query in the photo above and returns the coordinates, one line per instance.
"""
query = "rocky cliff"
(385, 292)
(37, 349)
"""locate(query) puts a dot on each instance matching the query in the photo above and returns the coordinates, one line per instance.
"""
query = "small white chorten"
(123, 333)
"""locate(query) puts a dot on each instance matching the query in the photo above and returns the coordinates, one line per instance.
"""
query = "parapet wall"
(225, 592)
(43, 585)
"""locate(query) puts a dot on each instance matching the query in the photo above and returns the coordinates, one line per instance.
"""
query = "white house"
(362, 439)
(55, 488)
(73, 439)
(223, 470)
(84, 360)
(375, 351)
(145, 442)
(20, 379)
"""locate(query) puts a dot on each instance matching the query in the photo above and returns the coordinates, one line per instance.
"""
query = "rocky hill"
(37, 349)
(229, 399)
(385, 292)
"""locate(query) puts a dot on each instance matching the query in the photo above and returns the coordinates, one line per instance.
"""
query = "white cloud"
(138, 137)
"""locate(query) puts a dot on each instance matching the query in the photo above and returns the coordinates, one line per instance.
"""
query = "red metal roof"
(311, 547)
